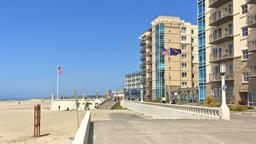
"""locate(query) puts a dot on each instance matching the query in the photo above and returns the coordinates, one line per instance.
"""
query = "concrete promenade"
(115, 127)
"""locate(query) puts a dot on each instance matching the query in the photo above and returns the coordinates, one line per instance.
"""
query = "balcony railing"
(142, 50)
(252, 41)
(221, 16)
(149, 61)
(251, 1)
(225, 54)
(221, 35)
(217, 3)
(251, 18)
(142, 58)
(214, 77)
(252, 73)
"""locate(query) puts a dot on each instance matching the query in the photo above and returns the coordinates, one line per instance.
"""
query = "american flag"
(60, 70)
(165, 52)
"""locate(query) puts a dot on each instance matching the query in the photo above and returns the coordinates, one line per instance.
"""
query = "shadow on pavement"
(91, 133)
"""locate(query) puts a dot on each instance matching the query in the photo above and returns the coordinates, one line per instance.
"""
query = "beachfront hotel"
(162, 75)
(227, 35)
(133, 85)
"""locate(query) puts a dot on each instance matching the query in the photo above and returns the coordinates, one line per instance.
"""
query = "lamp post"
(225, 112)
(141, 95)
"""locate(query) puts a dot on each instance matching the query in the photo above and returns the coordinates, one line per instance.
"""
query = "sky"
(96, 41)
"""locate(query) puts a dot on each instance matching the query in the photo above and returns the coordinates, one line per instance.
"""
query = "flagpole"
(57, 82)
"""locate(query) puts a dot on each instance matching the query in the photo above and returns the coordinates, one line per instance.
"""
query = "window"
(192, 31)
(184, 56)
(184, 74)
(245, 31)
(245, 77)
(184, 83)
(183, 47)
(184, 65)
(183, 38)
(183, 29)
(192, 40)
(245, 54)
(244, 9)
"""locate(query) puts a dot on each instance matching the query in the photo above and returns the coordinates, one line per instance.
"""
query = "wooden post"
(37, 117)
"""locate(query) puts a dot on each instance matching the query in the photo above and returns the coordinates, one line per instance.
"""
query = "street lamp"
(225, 113)
(141, 94)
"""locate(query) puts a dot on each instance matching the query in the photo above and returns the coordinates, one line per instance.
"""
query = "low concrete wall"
(71, 104)
(164, 111)
(82, 135)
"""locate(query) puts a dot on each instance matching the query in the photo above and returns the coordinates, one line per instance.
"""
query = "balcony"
(251, 18)
(217, 3)
(142, 43)
(252, 73)
(216, 77)
(252, 41)
(251, 1)
(142, 50)
(221, 54)
(221, 16)
(221, 35)
(142, 66)
(142, 58)
(149, 62)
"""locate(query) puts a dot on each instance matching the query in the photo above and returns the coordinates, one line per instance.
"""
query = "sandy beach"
(16, 123)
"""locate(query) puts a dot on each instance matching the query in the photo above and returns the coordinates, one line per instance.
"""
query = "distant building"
(117, 95)
(133, 85)
(163, 74)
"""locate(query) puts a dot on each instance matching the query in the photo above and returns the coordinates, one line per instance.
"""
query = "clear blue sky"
(95, 40)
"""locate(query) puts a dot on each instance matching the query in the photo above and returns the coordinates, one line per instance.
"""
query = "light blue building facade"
(201, 50)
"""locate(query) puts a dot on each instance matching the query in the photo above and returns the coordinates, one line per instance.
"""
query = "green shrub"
(240, 107)
(210, 102)
(117, 106)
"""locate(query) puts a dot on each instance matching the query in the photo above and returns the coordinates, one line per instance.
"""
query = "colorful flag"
(60, 70)
(174, 51)
(165, 52)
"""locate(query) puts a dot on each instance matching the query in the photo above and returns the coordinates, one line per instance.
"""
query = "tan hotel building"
(161, 74)
(230, 39)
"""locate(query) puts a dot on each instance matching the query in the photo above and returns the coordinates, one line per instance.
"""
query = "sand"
(16, 123)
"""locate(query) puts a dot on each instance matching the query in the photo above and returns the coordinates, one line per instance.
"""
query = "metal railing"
(226, 54)
(217, 76)
(221, 35)
(251, 18)
(221, 16)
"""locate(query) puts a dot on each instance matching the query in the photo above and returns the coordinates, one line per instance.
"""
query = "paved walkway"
(124, 127)
(107, 105)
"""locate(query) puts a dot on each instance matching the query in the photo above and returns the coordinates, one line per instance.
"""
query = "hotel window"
(184, 65)
(245, 77)
(183, 38)
(183, 29)
(184, 74)
(245, 54)
(184, 56)
(245, 31)
(244, 9)
(192, 40)
(183, 47)
(184, 83)
(192, 31)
